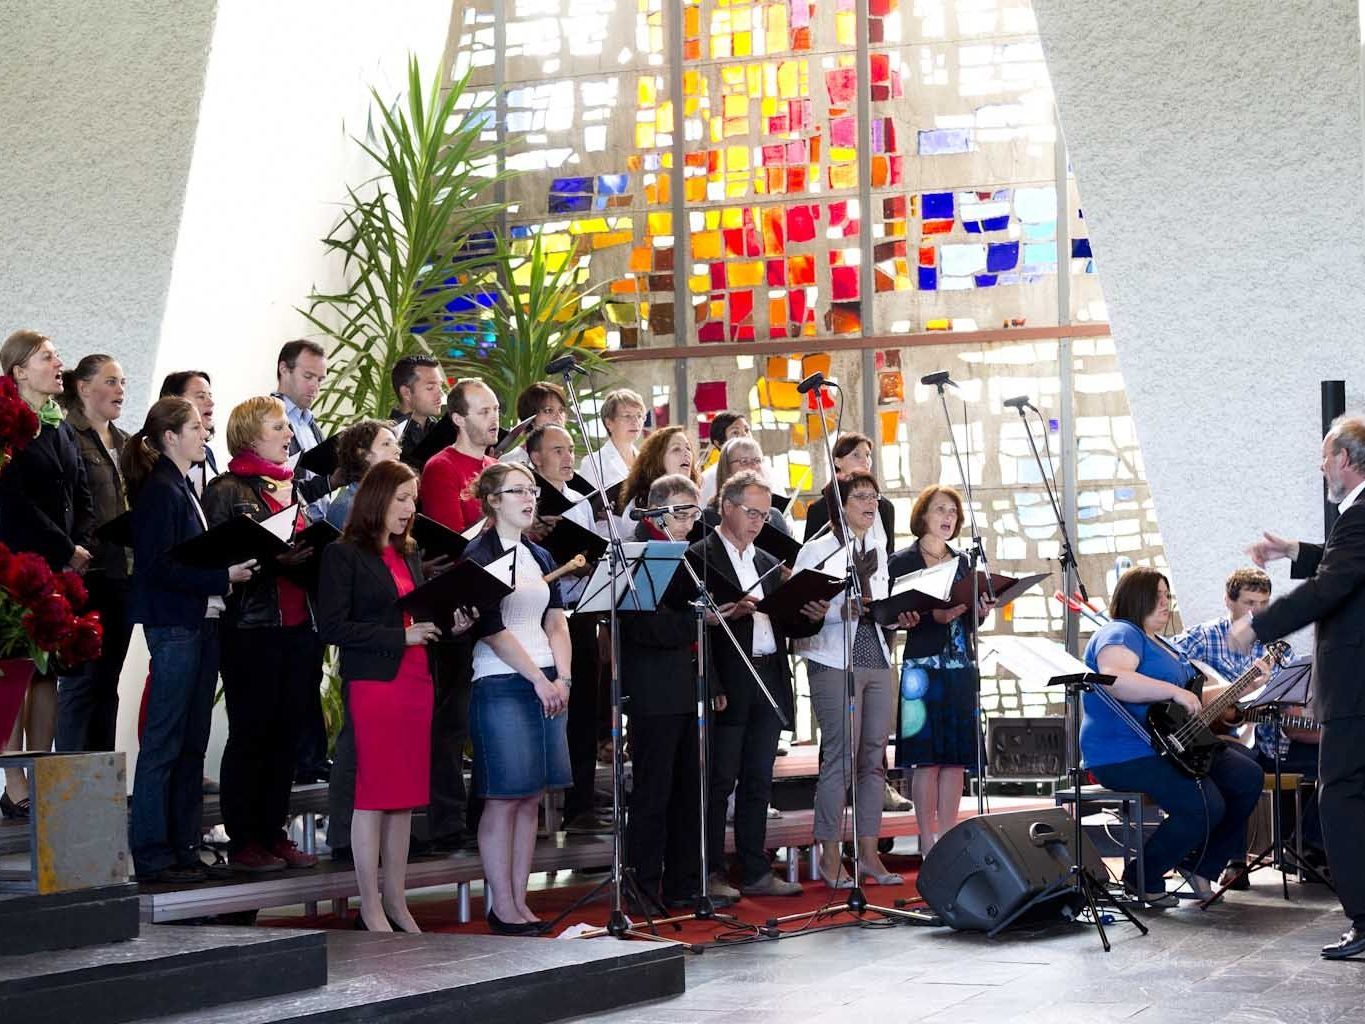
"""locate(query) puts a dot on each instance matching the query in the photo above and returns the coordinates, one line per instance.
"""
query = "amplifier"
(1026, 748)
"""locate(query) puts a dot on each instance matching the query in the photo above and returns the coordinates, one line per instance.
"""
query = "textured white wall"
(1217, 148)
(98, 106)
(287, 87)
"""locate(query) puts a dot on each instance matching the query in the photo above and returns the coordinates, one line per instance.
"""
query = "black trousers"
(1341, 807)
(341, 783)
(665, 805)
(87, 699)
(742, 750)
(268, 675)
(448, 814)
(583, 725)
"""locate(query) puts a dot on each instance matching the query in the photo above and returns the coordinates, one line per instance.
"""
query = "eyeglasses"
(521, 492)
(864, 496)
(630, 417)
(752, 513)
(751, 460)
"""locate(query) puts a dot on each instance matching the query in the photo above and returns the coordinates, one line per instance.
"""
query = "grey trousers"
(874, 713)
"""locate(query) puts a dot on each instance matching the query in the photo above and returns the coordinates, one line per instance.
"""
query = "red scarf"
(248, 463)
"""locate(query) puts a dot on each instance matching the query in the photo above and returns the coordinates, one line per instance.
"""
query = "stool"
(1130, 809)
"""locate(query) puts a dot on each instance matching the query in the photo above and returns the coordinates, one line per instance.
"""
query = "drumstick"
(576, 562)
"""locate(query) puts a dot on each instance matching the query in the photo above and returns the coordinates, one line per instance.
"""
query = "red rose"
(28, 577)
(72, 587)
(82, 641)
(47, 620)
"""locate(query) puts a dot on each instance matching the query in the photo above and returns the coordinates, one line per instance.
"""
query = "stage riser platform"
(89, 917)
(468, 979)
(166, 970)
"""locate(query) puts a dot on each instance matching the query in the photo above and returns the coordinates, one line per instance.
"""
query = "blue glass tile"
(612, 184)
(1002, 256)
(520, 231)
(1040, 254)
(1040, 232)
(937, 206)
(945, 141)
(985, 280)
(569, 204)
(569, 186)
(928, 279)
(1080, 248)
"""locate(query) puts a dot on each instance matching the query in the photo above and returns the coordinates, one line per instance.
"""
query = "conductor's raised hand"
(1271, 547)
(943, 616)
(420, 633)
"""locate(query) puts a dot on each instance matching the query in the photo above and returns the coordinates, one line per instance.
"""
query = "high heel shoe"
(11, 809)
(885, 878)
(839, 881)
(501, 927)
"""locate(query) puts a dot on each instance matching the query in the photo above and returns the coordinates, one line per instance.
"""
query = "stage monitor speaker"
(983, 870)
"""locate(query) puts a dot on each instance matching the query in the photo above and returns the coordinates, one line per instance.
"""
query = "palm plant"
(534, 307)
(415, 242)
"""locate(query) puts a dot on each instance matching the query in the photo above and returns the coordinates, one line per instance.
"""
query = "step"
(167, 969)
(468, 979)
(88, 917)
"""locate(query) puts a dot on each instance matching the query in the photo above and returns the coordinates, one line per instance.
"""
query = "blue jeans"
(168, 788)
(1205, 824)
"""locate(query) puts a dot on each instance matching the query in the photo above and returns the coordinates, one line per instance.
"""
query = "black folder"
(441, 435)
(568, 539)
(322, 459)
(468, 585)
(237, 540)
(807, 585)
(778, 544)
(118, 531)
(509, 439)
(781, 502)
(437, 539)
(552, 501)
(1007, 588)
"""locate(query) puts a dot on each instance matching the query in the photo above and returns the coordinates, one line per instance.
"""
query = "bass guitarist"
(1205, 824)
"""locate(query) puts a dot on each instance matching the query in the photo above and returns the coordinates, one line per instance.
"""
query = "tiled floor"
(1251, 960)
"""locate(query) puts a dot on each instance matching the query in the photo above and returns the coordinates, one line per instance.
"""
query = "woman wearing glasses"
(521, 690)
(873, 681)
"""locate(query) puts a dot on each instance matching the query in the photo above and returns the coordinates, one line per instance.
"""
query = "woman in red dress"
(388, 682)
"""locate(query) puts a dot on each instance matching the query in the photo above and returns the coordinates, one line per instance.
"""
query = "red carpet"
(440, 916)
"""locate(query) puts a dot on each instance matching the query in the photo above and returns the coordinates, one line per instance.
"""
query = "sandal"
(886, 878)
(839, 881)
(19, 810)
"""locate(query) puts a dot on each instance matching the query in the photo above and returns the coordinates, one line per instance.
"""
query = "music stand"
(648, 569)
(1287, 689)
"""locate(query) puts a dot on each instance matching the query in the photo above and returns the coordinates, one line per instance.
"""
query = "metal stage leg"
(462, 911)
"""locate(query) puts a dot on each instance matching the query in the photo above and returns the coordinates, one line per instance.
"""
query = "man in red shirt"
(445, 497)
(445, 493)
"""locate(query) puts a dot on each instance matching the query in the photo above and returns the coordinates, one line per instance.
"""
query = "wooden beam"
(789, 345)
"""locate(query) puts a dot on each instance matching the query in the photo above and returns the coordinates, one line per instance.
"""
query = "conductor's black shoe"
(587, 824)
(1352, 944)
(1235, 878)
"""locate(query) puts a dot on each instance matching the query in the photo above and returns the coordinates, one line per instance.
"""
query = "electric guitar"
(1188, 741)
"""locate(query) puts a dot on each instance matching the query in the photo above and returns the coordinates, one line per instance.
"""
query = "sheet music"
(936, 581)
(281, 524)
(293, 460)
(474, 530)
(503, 568)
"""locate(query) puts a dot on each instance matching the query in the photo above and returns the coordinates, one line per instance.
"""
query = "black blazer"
(929, 637)
(358, 610)
(817, 518)
(165, 592)
(1332, 596)
(728, 674)
(658, 663)
(45, 503)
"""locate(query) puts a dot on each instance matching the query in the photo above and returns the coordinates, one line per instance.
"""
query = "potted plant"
(39, 623)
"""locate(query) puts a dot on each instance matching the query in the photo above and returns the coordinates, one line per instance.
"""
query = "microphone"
(815, 380)
(938, 379)
(658, 513)
(564, 364)
(1021, 403)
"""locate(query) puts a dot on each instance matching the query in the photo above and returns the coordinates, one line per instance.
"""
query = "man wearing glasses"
(744, 741)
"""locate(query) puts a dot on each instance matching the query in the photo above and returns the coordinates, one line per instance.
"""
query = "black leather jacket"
(253, 605)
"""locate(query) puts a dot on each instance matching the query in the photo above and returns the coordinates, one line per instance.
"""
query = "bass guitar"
(1255, 715)
(1187, 740)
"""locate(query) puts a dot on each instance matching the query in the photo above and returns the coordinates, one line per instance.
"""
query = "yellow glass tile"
(787, 80)
(593, 338)
(645, 91)
(743, 45)
(939, 324)
(845, 176)
(554, 261)
(664, 119)
(816, 362)
(887, 423)
(720, 47)
(842, 154)
(668, 161)
(748, 274)
(732, 74)
(692, 83)
(588, 226)
(608, 239)
(641, 260)
(660, 223)
(845, 28)
(691, 22)
(716, 308)
(731, 217)
(737, 189)
(737, 158)
(768, 108)
(694, 189)
(798, 438)
(652, 193)
(691, 106)
(784, 394)
(715, 130)
(706, 245)
(644, 136)
(699, 283)
(799, 477)
(753, 79)
(619, 312)
(736, 106)
(712, 220)
(762, 391)
(557, 242)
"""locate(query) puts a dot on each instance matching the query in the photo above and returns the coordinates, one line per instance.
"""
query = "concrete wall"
(1217, 149)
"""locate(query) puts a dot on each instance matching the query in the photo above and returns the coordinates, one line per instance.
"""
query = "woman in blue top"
(1205, 824)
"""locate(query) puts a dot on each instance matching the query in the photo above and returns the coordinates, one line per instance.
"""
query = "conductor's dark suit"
(1333, 597)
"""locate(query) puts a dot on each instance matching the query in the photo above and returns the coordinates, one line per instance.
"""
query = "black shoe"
(689, 903)
(501, 927)
(176, 874)
(1235, 877)
(1352, 944)
(342, 855)
(19, 810)
(587, 824)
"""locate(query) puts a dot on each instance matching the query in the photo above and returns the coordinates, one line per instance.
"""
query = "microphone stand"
(618, 926)
(856, 903)
(976, 556)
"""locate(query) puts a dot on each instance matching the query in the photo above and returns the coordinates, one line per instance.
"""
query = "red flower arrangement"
(38, 617)
(18, 422)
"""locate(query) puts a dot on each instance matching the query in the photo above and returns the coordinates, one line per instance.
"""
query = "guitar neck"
(1258, 715)
(1239, 687)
